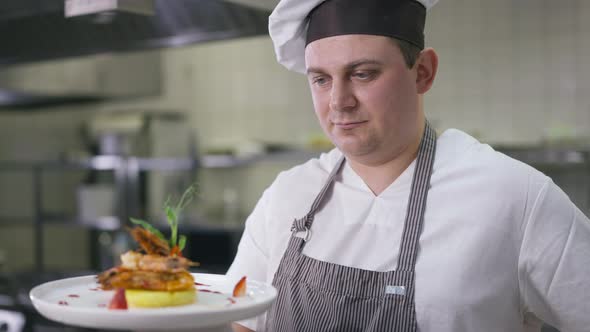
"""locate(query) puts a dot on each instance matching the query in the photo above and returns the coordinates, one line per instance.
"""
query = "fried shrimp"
(159, 270)
(150, 243)
(135, 261)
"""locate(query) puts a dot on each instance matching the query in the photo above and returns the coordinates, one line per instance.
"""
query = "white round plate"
(78, 301)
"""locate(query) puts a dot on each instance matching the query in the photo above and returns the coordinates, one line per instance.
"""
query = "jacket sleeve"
(554, 262)
(252, 256)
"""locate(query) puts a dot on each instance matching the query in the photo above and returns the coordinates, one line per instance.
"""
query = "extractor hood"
(36, 33)
(83, 79)
(33, 30)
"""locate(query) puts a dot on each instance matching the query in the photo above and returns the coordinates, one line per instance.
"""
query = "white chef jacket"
(502, 247)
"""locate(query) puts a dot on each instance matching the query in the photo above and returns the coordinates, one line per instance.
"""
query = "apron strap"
(417, 201)
(303, 224)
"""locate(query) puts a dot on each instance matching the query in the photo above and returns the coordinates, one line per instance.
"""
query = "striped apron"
(319, 296)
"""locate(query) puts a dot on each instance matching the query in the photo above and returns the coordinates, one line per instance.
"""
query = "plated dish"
(80, 302)
(152, 287)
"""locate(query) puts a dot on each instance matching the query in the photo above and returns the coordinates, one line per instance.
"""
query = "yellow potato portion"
(137, 298)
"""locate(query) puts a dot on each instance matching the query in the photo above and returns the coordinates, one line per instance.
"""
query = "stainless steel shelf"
(104, 163)
(230, 161)
(537, 156)
(530, 155)
(111, 163)
(114, 224)
(549, 156)
(126, 176)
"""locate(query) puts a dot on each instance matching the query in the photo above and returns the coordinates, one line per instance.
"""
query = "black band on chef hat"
(401, 19)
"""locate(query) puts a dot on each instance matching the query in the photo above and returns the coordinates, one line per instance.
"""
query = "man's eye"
(364, 75)
(319, 81)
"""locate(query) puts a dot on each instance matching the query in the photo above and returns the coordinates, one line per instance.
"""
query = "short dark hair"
(410, 51)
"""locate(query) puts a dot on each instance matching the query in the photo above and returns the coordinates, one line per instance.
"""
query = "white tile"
(498, 128)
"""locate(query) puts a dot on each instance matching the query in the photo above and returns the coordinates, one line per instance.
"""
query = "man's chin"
(351, 149)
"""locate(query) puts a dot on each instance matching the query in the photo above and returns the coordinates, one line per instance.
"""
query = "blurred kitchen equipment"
(35, 30)
(2, 260)
(85, 7)
(97, 206)
(110, 193)
(122, 134)
(231, 207)
(130, 144)
(137, 158)
(11, 321)
(171, 138)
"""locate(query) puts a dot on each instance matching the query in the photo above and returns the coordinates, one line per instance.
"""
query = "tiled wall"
(238, 92)
(512, 71)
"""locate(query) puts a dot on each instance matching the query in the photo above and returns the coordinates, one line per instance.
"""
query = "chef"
(397, 229)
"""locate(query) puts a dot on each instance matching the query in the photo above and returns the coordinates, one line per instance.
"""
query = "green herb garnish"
(172, 214)
(149, 227)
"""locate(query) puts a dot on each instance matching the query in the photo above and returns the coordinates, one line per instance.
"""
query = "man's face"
(364, 95)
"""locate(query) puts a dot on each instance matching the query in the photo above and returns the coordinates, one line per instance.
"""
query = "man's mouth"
(348, 125)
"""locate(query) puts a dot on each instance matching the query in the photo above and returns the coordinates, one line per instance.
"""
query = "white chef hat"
(295, 23)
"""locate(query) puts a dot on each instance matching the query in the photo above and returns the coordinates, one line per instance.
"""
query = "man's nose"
(342, 97)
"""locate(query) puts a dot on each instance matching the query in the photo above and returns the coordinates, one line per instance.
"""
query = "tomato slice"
(240, 288)
(176, 251)
(118, 302)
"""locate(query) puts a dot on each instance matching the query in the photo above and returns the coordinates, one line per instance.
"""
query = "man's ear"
(426, 67)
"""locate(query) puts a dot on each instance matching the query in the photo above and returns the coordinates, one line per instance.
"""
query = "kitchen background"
(125, 128)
